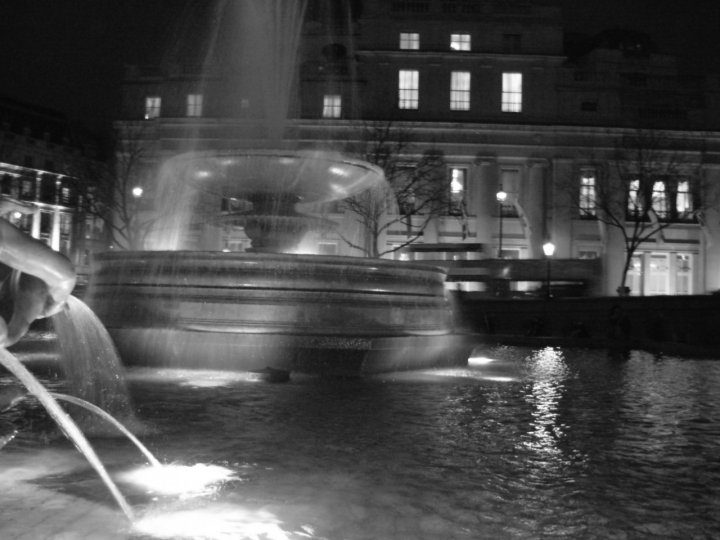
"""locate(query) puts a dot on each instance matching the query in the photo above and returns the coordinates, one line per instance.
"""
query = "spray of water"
(90, 360)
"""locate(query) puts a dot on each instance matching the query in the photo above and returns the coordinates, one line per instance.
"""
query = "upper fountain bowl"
(310, 175)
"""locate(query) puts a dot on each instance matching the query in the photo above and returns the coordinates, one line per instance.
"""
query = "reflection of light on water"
(480, 360)
(184, 480)
(189, 377)
(549, 372)
(215, 522)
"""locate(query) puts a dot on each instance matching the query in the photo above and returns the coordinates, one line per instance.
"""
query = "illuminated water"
(521, 444)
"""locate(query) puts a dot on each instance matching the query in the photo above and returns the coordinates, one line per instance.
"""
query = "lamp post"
(500, 196)
(548, 250)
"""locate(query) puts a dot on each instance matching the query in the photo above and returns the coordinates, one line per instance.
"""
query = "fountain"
(184, 306)
(248, 311)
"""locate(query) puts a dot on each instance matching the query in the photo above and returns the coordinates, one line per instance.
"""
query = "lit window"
(683, 202)
(588, 196)
(332, 106)
(409, 41)
(659, 199)
(460, 42)
(512, 92)
(460, 91)
(634, 202)
(194, 104)
(409, 89)
(683, 280)
(458, 186)
(152, 107)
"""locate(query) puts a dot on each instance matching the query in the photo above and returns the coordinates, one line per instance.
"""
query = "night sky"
(68, 54)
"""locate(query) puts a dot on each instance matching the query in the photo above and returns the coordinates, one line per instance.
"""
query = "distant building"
(38, 150)
(512, 103)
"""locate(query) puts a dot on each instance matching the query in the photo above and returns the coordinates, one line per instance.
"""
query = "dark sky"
(68, 54)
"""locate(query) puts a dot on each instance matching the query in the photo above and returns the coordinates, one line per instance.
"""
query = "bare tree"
(112, 191)
(417, 189)
(650, 182)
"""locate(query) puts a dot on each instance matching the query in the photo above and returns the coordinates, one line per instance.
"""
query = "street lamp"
(500, 196)
(137, 192)
(548, 250)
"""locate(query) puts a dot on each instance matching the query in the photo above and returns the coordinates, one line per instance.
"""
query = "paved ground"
(31, 512)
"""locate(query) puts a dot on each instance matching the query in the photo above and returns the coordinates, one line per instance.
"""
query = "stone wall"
(685, 320)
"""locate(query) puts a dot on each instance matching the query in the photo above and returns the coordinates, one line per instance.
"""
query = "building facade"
(569, 131)
(38, 151)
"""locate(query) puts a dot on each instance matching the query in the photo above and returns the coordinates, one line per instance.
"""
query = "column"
(533, 202)
(484, 204)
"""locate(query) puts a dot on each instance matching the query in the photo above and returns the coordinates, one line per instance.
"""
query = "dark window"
(47, 189)
(512, 43)
(591, 106)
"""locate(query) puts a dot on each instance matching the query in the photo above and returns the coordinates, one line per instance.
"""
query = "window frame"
(332, 106)
(153, 107)
(409, 41)
(460, 88)
(461, 41)
(587, 197)
(511, 100)
(457, 191)
(409, 89)
(194, 105)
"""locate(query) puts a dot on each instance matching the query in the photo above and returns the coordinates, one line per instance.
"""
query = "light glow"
(174, 479)
(480, 360)
(216, 522)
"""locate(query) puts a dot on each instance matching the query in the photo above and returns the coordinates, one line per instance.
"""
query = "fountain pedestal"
(246, 311)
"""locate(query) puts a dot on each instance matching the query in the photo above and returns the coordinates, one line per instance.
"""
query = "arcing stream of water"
(66, 424)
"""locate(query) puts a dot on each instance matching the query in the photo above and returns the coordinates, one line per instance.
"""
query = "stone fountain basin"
(309, 175)
(247, 311)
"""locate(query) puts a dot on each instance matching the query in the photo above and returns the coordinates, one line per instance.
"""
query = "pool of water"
(523, 443)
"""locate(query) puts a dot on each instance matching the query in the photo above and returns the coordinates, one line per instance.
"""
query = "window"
(588, 194)
(683, 200)
(460, 91)
(410, 6)
(65, 195)
(409, 89)
(659, 200)
(683, 279)
(512, 92)
(194, 104)
(332, 106)
(152, 107)
(458, 187)
(27, 188)
(634, 202)
(460, 42)
(409, 41)
(658, 275)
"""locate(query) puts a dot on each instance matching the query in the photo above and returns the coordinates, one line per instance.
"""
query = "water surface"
(522, 444)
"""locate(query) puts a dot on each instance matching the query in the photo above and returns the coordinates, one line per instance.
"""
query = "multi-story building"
(38, 149)
(494, 87)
